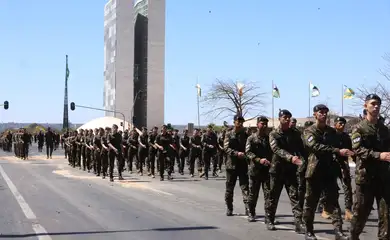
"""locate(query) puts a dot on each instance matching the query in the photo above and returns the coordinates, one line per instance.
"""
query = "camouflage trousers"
(231, 180)
(345, 177)
(365, 195)
(255, 183)
(314, 187)
(290, 182)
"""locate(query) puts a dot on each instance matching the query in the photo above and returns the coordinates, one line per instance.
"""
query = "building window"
(110, 31)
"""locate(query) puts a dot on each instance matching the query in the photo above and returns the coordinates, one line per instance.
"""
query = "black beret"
(262, 119)
(340, 119)
(284, 112)
(308, 123)
(320, 107)
(238, 117)
(373, 97)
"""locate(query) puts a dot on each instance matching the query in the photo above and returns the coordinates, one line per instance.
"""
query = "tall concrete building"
(134, 52)
(118, 57)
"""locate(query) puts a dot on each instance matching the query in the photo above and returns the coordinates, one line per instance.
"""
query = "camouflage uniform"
(320, 144)
(257, 147)
(372, 176)
(236, 167)
(285, 144)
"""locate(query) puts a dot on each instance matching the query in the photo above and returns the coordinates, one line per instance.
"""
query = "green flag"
(67, 69)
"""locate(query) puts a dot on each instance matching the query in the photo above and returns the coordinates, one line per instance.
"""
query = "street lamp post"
(73, 106)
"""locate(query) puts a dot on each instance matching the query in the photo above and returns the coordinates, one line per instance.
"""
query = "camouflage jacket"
(235, 142)
(257, 147)
(322, 150)
(368, 141)
(285, 145)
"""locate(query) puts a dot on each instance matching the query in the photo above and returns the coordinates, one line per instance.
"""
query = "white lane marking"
(38, 229)
(41, 232)
(278, 226)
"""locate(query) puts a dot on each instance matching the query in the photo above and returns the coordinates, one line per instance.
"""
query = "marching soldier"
(184, 150)
(345, 175)
(133, 150)
(114, 144)
(105, 149)
(302, 171)
(163, 143)
(236, 165)
(196, 153)
(259, 154)
(175, 149)
(152, 152)
(209, 143)
(221, 151)
(142, 149)
(321, 140)
(370, 142)
(287, 146)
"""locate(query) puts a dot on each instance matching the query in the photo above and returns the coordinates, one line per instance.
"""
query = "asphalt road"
(46, 199)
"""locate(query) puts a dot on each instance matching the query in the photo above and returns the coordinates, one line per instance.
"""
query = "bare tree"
(385, 72)
(381, 89)
(224, 99)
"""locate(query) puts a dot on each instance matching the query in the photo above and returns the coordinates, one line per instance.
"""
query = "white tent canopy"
(105, 122)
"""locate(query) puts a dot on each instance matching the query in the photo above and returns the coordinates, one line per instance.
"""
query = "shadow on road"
(107, 232)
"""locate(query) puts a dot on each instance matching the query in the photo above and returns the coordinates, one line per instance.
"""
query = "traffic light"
(72, 106)
(6, 105)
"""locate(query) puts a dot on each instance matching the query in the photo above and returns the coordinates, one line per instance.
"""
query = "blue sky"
(291, 42)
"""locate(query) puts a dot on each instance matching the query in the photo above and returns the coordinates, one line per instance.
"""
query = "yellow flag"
(348, 93)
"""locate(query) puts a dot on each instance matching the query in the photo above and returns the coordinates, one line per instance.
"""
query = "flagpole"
(309, 99)
(342, 100)
(273, 105)
(197, 101)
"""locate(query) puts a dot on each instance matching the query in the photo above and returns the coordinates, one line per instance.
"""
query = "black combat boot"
(269, 224)
(310, 236)
(247, 212)
(252, 216)
(300, 227)
(252, 213)
(339, 235)
(229, 210)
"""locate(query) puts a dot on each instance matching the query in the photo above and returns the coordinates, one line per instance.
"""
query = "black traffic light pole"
(5, 105)
(73, 107)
